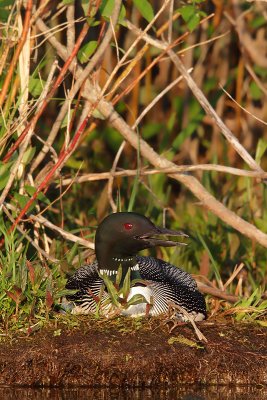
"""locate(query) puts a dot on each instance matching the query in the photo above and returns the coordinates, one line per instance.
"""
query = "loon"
(119, 238)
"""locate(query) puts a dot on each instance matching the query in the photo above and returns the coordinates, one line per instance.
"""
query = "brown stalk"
(82, 75)
(17, 52)
(57, 83)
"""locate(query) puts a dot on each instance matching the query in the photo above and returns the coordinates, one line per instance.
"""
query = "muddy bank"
(177, 393)
(113, 354)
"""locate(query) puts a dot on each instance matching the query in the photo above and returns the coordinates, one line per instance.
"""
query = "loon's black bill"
(153, 240)
(170, 232)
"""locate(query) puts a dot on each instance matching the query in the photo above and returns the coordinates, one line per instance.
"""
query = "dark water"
(182, 393)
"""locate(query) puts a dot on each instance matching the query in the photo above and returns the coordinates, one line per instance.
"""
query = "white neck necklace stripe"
(113, 272)
(122, 259)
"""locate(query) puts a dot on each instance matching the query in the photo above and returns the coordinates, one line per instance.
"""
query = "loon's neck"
(111, 266)
(113, 262)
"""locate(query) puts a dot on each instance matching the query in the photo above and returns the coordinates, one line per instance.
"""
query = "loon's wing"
(160, 271)
(168, 283)
(191, 300)
(88, 285)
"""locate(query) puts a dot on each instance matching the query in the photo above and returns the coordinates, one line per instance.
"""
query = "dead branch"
(212, 204)
(220, 294)
(175, 170)
(66, 235)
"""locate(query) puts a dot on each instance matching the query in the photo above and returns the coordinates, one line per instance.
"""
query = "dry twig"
(177, 169)
(181, 310)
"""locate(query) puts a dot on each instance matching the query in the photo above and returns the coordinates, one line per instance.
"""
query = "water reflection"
(181, 393)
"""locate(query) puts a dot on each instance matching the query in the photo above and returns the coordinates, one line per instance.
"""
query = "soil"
(137, 354)
(172, 393)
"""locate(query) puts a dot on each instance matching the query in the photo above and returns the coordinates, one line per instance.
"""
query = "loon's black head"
(120, 236)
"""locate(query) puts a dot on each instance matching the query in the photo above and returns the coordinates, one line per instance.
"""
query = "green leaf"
(4, 174)
(65, 292)
(187, 12)
(151, 129)
(196, 115)
(213, 262)
(193, 22)
(28, 155)
(4, 10)
(21, 199)
(245, 303)
(121, 19)
(112, 138)
(136, 299)
(3, 14)
(66, 119)
(171, 121)
(43, 198)
(183, 340)
(5, 3)
(75, 164)
(126, 285)
(111, 289)
(261, 148)
(72, 253)
(36, 86)
(257, 21)
(23, 276)
(184, 134)
(190, 15)
(260, 71)
(145, 9)
(255, 91)
(106, 8)
(119, 276)
(31, 190)
(86, 51)
(234, 243)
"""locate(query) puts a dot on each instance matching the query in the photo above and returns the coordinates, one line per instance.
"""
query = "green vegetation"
(57, 139)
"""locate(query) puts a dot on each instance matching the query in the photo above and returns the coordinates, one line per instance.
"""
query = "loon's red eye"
(128, 226)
